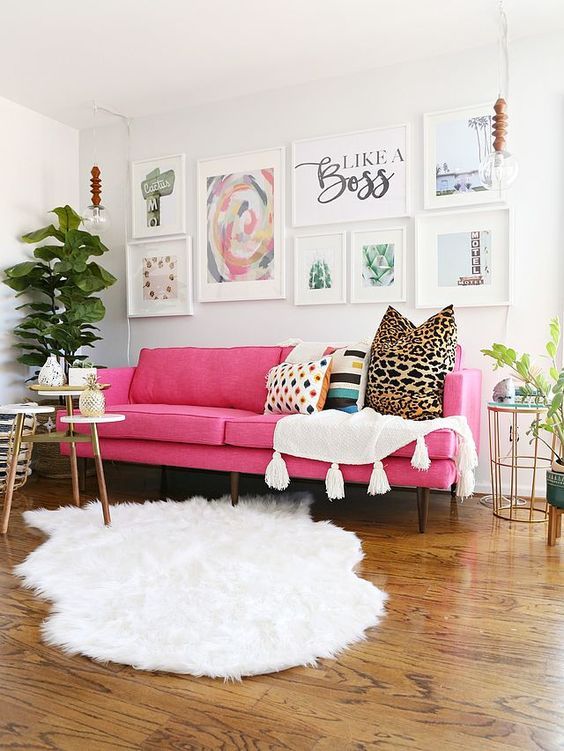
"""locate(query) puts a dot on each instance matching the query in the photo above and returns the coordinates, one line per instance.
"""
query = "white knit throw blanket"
(364, 437)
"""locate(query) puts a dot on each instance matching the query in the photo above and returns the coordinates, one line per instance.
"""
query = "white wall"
(39, 159)
(377, 98)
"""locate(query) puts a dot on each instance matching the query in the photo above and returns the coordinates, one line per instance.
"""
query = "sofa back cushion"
(232, 377)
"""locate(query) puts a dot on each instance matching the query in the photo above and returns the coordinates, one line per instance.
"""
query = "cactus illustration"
(378, 265)
(320, 275)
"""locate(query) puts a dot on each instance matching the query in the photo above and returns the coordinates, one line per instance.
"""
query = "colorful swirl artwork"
(240, 218)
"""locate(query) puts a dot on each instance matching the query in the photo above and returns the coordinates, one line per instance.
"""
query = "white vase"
(51, 374)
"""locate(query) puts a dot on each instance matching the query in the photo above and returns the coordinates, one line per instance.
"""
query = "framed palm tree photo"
(456, 142)
(378, 266)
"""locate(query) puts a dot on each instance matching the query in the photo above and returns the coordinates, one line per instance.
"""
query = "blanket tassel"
(378, 480)
(467, 462)
(276, 475)
(420, 458)
(334, 483)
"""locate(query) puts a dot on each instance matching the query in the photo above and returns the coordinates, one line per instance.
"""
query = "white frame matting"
(172, 207)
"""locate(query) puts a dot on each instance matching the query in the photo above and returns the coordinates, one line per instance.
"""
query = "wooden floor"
(470, 655)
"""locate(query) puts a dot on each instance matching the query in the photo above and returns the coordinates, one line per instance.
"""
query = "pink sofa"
(203, 408)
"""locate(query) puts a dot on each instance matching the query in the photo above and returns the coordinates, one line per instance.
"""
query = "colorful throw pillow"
(408, 365)
(298, 387)
(347, 384)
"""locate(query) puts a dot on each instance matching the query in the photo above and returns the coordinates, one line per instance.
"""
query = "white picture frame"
(340, 162)
(455, 142)
(158, 196)
(320, 258)
(254, 178)
(455, 265)
(147, 289)
(390, 284)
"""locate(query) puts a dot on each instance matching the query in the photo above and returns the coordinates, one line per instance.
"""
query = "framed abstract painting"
(455, 143)
(320, 269)
(378, 265)
(463, 258)
(158, 197)
(241, 226)
(351, 177)
(159, 278)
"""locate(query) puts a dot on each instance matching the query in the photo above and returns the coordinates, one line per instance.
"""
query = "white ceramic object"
(51, 374)
(78, 376)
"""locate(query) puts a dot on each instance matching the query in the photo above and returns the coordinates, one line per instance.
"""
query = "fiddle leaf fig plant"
(60, 286)
(541, 388)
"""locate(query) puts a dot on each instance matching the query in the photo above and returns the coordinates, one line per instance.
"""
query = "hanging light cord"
(126, 183)
(503, 53)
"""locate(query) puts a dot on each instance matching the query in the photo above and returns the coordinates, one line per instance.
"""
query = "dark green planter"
(555, 488)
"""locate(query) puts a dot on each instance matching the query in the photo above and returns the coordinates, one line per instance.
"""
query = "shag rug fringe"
(201, 587)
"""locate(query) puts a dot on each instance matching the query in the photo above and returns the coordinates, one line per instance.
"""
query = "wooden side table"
(506, 502)
(71, 437)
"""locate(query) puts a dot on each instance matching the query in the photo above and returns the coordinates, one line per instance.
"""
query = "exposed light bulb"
(96, 219)
(499, 170)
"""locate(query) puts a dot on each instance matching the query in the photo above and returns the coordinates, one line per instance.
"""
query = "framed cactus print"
(158, 197)
(320, 269)
(159, 278)
(378, 266)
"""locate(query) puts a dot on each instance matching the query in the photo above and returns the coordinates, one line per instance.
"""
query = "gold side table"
(506, 468)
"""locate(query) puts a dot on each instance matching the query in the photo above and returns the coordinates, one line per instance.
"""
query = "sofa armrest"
(463, 396)
(120, 380)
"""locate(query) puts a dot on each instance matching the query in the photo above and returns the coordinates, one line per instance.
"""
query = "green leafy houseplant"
(60, 283)
(546, 389)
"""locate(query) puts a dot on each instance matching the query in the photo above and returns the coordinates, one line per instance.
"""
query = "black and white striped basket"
(6, 443)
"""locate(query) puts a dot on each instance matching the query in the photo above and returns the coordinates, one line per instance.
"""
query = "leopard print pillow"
(408, 365)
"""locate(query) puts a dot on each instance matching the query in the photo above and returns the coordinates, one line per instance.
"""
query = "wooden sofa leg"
(453, 491)
(422, 507)
(234, 488)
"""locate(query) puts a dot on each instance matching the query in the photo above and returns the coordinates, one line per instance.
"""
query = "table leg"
(100, 474)
(73, 460)
(11, 479)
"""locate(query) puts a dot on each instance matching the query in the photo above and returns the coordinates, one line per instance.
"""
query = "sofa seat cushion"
(173, 423)
(258, 432)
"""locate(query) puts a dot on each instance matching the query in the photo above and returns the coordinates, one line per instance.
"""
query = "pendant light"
(499, 169)
(95, 217)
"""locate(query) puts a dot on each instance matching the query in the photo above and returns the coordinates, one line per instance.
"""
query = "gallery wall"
(386, 96)
(39, 159)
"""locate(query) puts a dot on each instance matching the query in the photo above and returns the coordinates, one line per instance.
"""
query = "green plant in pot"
(546, 388)
(60, 285)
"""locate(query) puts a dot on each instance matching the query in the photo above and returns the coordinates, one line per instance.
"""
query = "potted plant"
(546, 389)
(61, 283)
(80, 371)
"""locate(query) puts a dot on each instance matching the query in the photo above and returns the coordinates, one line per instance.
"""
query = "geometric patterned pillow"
(408, 365)
(348, 378)
(298, 388)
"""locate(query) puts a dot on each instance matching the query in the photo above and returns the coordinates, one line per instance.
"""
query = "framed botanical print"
(241, 226)
(455, 143)
(351, 177)
(378, 265)
(159, 278)
(320, 269)
(463, 258)
(158, 197)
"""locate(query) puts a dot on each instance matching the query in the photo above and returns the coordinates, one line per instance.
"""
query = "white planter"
(51, 374)
(78, 376)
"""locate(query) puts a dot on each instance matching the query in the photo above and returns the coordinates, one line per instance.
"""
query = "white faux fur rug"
(201, 587)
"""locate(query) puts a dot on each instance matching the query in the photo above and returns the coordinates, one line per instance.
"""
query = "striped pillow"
(348, 378)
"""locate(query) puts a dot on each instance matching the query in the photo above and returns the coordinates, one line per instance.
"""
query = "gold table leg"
(11, 479)
(73, 459)
(100, 474)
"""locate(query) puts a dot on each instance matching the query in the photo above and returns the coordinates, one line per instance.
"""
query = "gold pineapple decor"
(92, 402)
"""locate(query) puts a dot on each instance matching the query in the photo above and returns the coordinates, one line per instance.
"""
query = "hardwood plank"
(470, 653)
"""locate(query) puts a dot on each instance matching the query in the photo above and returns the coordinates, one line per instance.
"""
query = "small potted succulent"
(79, 370)
(545, 388)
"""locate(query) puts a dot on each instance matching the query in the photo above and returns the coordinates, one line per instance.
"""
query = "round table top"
(517, 407)
(24, 409)
(53, 392)
(82, 420)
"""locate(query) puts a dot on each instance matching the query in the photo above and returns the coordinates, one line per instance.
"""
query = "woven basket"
(6, 449)
(47, 458)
